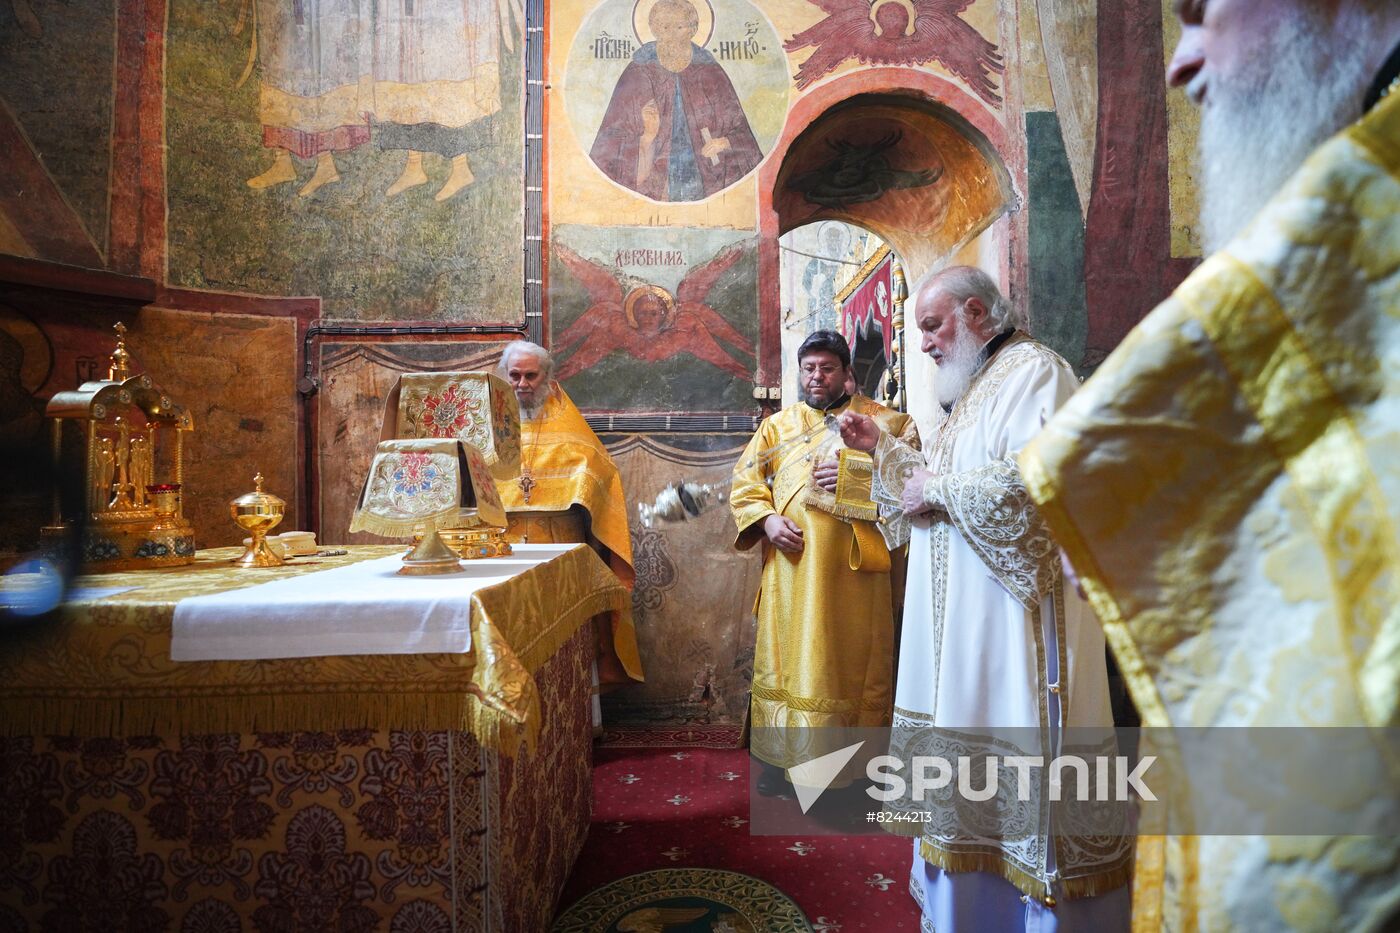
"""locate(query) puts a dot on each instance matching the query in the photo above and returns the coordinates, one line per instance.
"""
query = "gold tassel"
(365, 520)
(994, 863)
(233, 709)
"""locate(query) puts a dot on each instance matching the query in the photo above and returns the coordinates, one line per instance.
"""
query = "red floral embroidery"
(103, 771)
(210, 794)
(315, 767)
(446, 414)
(30, 814)
(420, 917)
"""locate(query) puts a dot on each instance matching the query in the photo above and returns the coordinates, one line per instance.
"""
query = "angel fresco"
(899, 32)
(674, 129)
(646, 322)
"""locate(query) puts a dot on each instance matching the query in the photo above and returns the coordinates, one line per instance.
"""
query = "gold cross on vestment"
(527, 483)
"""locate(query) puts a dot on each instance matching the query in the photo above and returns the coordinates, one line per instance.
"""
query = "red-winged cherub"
(647, 323)
(898, 32)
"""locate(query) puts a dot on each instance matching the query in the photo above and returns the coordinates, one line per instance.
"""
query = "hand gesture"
(912, 500)
(651, 120)
(714, 147)
(784, 533)
(825, 474)
(860, 432)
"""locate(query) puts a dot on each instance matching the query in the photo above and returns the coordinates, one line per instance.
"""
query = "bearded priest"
(570, 491)
(996, 653)
(1227, 485)
(824, 657)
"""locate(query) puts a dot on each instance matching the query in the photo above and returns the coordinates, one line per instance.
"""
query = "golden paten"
(130, 436)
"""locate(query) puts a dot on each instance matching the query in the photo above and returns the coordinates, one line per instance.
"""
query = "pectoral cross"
(527, 483)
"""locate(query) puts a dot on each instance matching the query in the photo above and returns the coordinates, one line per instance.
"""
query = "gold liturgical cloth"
(106, 668)
(424, 485)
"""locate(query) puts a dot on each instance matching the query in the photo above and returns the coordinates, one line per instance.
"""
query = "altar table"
(435, 791)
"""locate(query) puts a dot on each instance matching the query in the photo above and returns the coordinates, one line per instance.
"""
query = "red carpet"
(688, 807)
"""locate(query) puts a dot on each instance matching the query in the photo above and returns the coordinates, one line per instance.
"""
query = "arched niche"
(901, 152)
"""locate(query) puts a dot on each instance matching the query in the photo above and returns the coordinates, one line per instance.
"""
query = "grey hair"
(525, 346)
(964, 282)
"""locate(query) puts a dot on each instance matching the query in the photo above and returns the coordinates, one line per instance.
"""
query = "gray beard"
(959, 365)
(1257, 131)
(532, 411)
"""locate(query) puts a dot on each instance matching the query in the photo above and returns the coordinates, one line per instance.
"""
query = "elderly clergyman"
(995, 647)
(569, 490)
(1227, 485)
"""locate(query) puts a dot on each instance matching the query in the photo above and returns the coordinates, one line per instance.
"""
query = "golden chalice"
(258, 513)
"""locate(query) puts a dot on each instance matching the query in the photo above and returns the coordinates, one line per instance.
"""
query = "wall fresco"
(899, 32)
(368, 154)
(654, 320)
(676, 100)
(58, 81)
(901, 170)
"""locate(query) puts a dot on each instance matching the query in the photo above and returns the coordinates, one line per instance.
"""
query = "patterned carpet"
(659, 808)
(682, 900)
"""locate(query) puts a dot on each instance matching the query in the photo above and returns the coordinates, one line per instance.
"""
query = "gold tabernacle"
(130, 436)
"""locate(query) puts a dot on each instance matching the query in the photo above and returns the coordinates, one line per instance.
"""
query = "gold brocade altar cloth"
(105, 667)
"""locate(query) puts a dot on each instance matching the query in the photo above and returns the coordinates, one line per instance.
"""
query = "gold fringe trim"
(365, 520)
(847, 512)
(1101, 882)
(499, 722)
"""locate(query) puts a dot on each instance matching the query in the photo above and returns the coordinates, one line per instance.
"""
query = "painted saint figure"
(310, 99)
(674, 129)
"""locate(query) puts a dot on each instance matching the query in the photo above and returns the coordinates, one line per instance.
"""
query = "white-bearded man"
(570, 491)
(1227, 485)
(996, 654)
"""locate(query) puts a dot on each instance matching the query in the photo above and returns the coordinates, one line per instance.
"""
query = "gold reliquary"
(132, 443)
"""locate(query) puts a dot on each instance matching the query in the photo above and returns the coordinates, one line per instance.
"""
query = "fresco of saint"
(674, 129)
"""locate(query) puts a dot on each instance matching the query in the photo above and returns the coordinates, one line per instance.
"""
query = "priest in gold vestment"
(1227, 485)
(569, 491)
(825, 648)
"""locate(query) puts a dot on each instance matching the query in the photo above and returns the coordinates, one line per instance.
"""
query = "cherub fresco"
(646, 322)
(899, 32)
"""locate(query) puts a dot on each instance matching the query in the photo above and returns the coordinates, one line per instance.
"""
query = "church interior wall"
(139, 138)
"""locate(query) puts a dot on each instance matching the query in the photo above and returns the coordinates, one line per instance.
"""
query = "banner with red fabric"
(871, 305)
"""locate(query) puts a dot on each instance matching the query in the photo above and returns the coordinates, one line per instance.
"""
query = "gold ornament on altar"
(480, 410)
(257, 513)
(132, 448)
(420, 486)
